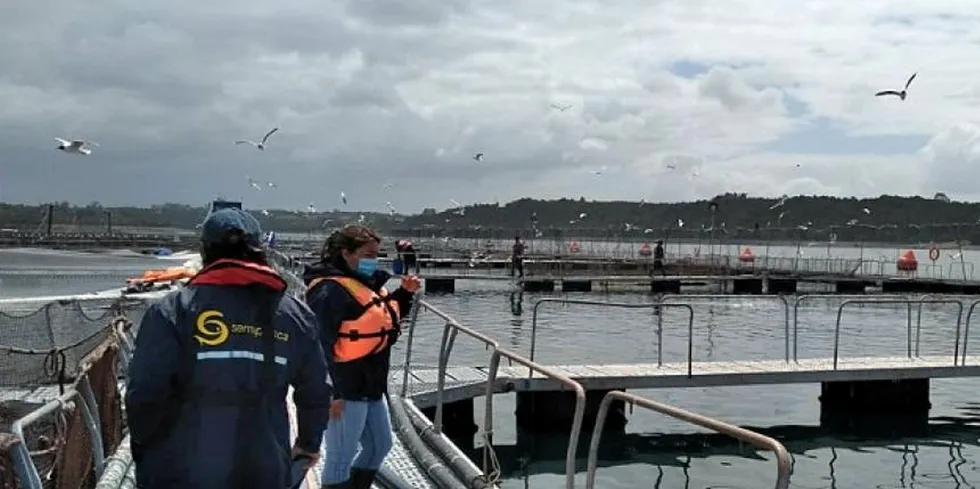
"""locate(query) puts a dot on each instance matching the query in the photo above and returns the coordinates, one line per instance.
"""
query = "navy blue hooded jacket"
(365, 379)
(197, 413)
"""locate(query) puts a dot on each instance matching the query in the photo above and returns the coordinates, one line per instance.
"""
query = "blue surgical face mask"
(367, 266)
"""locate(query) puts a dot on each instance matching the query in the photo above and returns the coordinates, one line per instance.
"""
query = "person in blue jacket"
(206, 399)
(359, 323)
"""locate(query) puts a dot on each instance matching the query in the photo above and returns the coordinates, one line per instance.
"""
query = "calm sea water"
(657, 451)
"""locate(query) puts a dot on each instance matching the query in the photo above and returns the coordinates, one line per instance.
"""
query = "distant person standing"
(658, 258)
(409, 256)
(517, 258)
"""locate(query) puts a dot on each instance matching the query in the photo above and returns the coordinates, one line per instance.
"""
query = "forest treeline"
(729, 216)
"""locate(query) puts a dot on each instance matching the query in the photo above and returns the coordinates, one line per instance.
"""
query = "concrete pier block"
(665, 286)
(552, 412)
(576, 286)
(905, 396)
(782, 286)
(850, 287)
(903, 287)
(531, 285)
(458, 422)
(751, 286)
(440, 286)
(900, 407)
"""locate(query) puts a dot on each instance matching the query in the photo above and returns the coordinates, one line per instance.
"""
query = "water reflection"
(516, 322)
(709, 459)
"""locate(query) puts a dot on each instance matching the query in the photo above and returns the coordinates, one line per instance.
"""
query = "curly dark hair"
(349, 238)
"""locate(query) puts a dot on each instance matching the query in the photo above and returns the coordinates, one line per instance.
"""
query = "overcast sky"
(765, 97)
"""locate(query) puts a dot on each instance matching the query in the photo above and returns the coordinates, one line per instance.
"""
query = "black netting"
(45, 346)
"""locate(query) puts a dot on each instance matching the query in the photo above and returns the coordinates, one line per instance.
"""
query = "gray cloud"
(370, 91)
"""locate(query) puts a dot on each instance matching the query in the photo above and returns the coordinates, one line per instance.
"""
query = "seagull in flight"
(478, 157)
(261, 145)
(901, 94)
(76, 146)
(560, 107)
(254, 184)
(780, 203)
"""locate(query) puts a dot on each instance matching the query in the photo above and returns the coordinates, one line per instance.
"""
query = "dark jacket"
(365, 379)
(196, 401)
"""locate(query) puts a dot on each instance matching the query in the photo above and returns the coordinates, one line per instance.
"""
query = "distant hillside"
(891, 219)
(95, 218)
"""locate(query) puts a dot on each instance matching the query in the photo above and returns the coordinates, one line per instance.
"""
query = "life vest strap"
(355, 335)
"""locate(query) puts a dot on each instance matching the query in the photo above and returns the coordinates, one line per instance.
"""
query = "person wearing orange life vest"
(359, 323)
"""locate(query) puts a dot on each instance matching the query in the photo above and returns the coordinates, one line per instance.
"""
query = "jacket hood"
(331, 269)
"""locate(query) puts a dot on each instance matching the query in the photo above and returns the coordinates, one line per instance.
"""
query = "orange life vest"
(372, 330)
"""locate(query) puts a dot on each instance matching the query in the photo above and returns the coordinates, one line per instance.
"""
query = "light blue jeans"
(362, 425)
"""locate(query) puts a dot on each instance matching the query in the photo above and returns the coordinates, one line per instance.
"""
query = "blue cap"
(224, 225)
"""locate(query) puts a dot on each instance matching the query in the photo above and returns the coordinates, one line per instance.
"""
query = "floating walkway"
(767, 283)
(462, 383)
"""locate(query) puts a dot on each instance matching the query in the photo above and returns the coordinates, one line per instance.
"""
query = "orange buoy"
(645, 250)
(573, 247)
(907, 262)
(746, 256)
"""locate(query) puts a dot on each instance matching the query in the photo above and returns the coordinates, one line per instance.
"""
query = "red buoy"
(907, 262)
(645, 250)
(746, 256)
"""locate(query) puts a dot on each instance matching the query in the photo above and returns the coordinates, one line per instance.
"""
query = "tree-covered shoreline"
(732, 218)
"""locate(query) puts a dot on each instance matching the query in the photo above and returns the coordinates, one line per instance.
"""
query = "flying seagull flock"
(84, 147)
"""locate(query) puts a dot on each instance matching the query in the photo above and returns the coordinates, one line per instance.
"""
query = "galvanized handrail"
(783, 460)
(407, 367)
(624, 305)
(576, 430)
(450, 330)
(782, 298)
(449, 333)
(966, 329)
(909, 303)
(963, 266)
(845, 297)
(24, 466)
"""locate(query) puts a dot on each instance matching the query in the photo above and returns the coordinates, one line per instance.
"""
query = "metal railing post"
(577, 417)
(416, 306)
(966, 329)
(864, 299)
(449, 333)
(95, 423)
(21, 456)
(909, 303)
(663, 298)
(783, 459)
(621, 305)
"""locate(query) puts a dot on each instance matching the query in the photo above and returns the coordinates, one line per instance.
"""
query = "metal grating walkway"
(399, 460)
